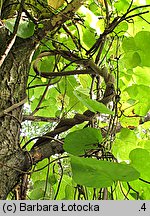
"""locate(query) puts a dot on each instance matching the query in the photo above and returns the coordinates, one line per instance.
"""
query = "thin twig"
(14, 106)
(47, 175)
(41, 100)
(60, 180)
(14, 35)
(40, 118)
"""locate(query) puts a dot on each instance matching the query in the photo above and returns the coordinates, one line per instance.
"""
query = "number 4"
(143, 207)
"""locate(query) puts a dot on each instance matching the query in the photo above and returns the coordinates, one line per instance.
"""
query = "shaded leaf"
(98, 174)
(37, 194)
(78, 142)
(69, 192)
(140, 160)
(25, 28)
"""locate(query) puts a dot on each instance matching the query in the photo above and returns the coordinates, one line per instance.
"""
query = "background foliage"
(107, 157)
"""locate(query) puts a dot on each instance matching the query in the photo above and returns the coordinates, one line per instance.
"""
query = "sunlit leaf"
(142, 75)
(92, 105)
(142, 49)
(121, 6)
(125, 141)
(140, 93)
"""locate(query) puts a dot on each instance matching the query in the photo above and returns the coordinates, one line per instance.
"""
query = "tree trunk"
(13, 80)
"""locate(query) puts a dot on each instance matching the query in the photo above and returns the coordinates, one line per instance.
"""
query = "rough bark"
(13, 79)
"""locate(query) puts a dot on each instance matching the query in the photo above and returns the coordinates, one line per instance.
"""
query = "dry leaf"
(55, 3)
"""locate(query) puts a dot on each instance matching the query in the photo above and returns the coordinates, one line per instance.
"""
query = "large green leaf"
(140, 93)
(141, 75)
(52, 179)
(36, 194)
(69, 192)
(129, 121)
(73, 101)
(140, 160)
(124, 143)
(142, 188)
(78, 142)
(47, 64)
(143, 36)
(88, 37)
(92, 105)
(38, 191)
(25, 28)
(129, 44)
(63, 193)
(137, 53)
(121, 5)
(40, 175)
(131, 59)
(97, 174)
(121, 28)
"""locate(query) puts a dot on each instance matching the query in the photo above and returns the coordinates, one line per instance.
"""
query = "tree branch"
(46, 146)
(39, 118)
(57, 20)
